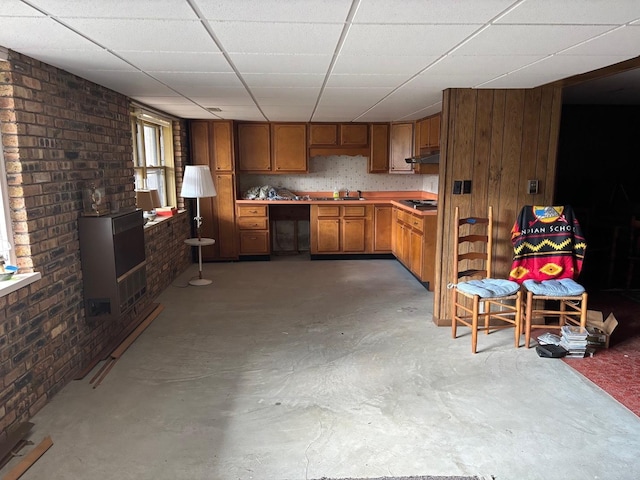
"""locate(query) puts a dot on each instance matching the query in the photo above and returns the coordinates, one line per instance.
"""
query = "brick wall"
(59, 134)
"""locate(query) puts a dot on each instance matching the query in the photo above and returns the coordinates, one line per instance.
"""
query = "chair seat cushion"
(488, 287)
(565, 287)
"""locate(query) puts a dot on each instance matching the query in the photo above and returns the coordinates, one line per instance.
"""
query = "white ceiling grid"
(318, 60)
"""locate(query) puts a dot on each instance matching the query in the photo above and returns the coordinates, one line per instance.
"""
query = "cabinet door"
(221, 218)
(379, 156)
(254, 147)
(401, 147)
(289, 147)
(328, 235)
(323, 134)
(222, 147)
(354, 135)
(434, 132)
(416, 251)
(382, 225)
(353, 235)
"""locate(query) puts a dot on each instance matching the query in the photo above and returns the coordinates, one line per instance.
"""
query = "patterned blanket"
(548, 244)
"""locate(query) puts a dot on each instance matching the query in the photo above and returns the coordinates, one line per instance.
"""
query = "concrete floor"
(296, 370)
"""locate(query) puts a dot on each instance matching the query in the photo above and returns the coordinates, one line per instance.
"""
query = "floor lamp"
(197, 183)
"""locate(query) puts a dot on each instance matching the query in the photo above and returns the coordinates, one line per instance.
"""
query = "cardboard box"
(600, 331)
(166, 211)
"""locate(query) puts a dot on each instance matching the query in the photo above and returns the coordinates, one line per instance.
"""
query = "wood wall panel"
(498, 139)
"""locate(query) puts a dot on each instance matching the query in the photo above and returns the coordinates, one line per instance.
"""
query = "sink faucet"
(346, 193)
(359, 193)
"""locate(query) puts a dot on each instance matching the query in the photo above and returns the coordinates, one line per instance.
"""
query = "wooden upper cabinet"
(428, 133)
(212, 144)
(379, 155)
(354, 135)
(323, 134)
(401, 148)
(345, 135)
(254, 147)
(223, 146)
(289, 142)
(272, 147)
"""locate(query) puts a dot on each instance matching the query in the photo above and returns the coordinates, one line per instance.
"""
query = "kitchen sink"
(351, 198)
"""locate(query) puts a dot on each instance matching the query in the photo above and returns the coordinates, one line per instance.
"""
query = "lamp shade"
(144, 200)
(197, 182)
(155, 198)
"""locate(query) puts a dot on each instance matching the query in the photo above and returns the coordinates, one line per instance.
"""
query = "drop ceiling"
(318, 60)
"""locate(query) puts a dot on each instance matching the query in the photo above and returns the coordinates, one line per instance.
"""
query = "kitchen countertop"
(370, 198)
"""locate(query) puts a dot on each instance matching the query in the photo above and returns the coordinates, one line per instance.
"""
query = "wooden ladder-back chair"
(548, 253)
(481, 302)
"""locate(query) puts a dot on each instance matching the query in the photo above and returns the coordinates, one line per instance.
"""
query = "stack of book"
(574, 340)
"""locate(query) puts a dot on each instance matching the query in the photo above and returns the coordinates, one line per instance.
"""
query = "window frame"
(139, 120)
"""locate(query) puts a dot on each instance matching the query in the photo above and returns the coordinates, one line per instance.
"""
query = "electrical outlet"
(457, 187)
(532, 187)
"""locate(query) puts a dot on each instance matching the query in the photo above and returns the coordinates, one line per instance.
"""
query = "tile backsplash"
(342, 172)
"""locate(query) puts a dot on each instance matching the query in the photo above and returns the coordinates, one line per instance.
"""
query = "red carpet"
(617, 369)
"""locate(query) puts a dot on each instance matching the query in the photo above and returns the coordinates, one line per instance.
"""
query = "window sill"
(18, 281)
(161, 218)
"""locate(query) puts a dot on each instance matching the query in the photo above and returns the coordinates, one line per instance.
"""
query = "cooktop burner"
(421, 204)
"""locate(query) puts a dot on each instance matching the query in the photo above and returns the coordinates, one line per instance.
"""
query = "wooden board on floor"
(31, 458)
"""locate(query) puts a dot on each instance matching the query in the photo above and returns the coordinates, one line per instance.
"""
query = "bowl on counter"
(9, 271)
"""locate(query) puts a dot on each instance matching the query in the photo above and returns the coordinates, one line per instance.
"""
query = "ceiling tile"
(18, 9)
(381, 80)
(573, 12)
(625, 41)
(128, 83)
(288, 38)
(528, 39)
(429, 11)
(387, 64)
(320, 11)
(409, 40)
(178, 61)
(146, 35)
(353, 96)
(283, 80)
(289, 96)
(174, 9)
(81, 60)
(224, 97)
(287, 113)
(198, 79)
(280, 63)
(31, 33)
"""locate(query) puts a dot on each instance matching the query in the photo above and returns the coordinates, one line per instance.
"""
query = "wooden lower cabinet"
(413, 243)
(382, 228)
(339, 229)
(253, 229)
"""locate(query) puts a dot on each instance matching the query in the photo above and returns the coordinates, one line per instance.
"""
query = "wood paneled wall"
(498, 139)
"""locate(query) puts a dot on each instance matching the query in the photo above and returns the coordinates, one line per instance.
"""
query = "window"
(6, 237)
(153, 155)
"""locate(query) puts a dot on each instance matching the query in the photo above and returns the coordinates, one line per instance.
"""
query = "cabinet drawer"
(417, 223)
(252, 210)
(404, 217)
(328, 211)
(254, 242)
(252, 223)
(354, 211)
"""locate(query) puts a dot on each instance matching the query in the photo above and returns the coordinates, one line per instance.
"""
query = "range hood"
(433, 157)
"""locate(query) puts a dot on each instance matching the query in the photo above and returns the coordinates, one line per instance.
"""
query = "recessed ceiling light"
(214, 109)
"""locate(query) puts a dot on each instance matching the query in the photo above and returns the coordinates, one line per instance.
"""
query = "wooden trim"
(31, 458)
